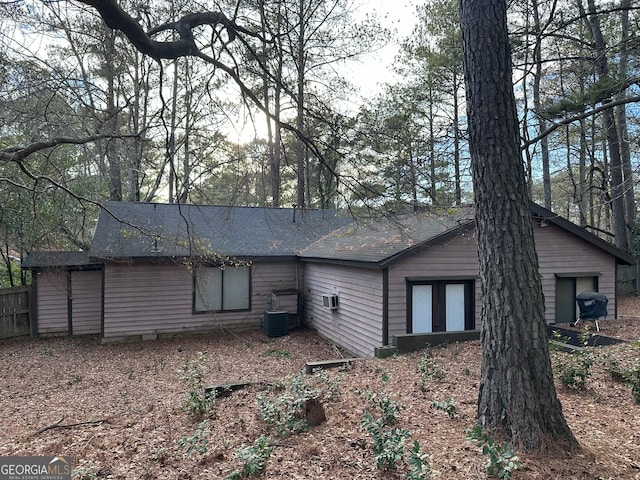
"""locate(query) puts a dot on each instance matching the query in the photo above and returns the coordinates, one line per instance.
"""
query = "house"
(160, 269)
(360, 283)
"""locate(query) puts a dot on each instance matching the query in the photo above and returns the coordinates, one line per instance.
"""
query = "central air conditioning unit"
(330, 300)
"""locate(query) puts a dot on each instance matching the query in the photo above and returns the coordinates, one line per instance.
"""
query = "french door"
(440, 306)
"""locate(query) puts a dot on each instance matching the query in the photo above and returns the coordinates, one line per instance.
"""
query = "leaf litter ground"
(116, 409)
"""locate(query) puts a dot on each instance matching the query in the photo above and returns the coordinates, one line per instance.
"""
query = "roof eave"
(463, 227)
(622, 257)
(345, 262)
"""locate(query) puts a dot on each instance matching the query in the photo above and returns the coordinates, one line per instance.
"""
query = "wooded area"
(260, 111)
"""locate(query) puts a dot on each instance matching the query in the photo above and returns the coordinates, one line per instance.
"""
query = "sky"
(376, 70)
(370, 73)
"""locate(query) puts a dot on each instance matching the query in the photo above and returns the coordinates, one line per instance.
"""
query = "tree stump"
(314, 412)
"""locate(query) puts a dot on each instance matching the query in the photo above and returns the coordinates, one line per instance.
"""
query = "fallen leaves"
(57, 393)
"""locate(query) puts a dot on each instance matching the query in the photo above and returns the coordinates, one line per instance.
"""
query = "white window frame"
(221, 289)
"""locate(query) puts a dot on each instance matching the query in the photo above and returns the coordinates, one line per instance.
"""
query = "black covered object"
(592, 305)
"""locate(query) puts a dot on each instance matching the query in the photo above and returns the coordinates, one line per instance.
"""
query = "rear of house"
(431, 284)
(160, 270)
(151, 299)
(173, 269)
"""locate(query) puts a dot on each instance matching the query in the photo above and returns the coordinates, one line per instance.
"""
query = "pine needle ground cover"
(118, 410)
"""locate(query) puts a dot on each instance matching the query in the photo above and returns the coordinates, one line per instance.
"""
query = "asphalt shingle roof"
(56, 259)
(154, 230)
(377, 240)
(128, 229)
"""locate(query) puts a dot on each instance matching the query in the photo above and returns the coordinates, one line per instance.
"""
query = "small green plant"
(388, 443)
(159, 455)
(253, 459)
(388, 440)
(448, 406)
(387, 407)
(556, 338)
(85, 472)
(274, 352)
(572, 370)
(197, 402)
(286, 410)
(198, 443)
(429, 369)
(418, 464)
(502, 460)
(613, 367)
(632, 377)
(331, 385)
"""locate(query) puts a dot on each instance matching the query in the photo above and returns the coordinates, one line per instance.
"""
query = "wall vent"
(330, 300)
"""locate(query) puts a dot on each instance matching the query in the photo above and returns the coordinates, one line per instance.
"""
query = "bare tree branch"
(118, 19)
(18, 154)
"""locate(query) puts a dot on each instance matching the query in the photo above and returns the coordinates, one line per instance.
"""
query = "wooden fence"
(14, 312)
(627, 280)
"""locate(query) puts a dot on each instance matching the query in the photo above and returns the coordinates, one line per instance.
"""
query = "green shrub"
(448, 406)
(429, 369)
(379, 420)
(330, 385)
(387, 408)
(198, 443)
(502, 460)
(388, 443)
(557, 337)
(613, 367)
(572, 370)
(632, 376)
(274, 352)
(85, 472)
(197, 401)
(286, 410)
(419, 464)
(253, 459)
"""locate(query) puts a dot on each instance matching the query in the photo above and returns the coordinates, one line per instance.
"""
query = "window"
(218, 289)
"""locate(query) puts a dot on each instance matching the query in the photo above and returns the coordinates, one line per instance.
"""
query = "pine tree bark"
(517, 395)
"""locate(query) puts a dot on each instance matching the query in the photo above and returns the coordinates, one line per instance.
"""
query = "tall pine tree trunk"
(517, 394)
(611, 129)
(300, 147)
(111, 123)
(623, 133)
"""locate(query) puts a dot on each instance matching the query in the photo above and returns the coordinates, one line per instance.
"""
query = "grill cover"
(592, 304)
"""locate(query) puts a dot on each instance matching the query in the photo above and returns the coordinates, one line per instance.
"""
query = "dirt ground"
(116, 409)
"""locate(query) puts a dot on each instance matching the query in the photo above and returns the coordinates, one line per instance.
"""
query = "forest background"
(276, 117)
